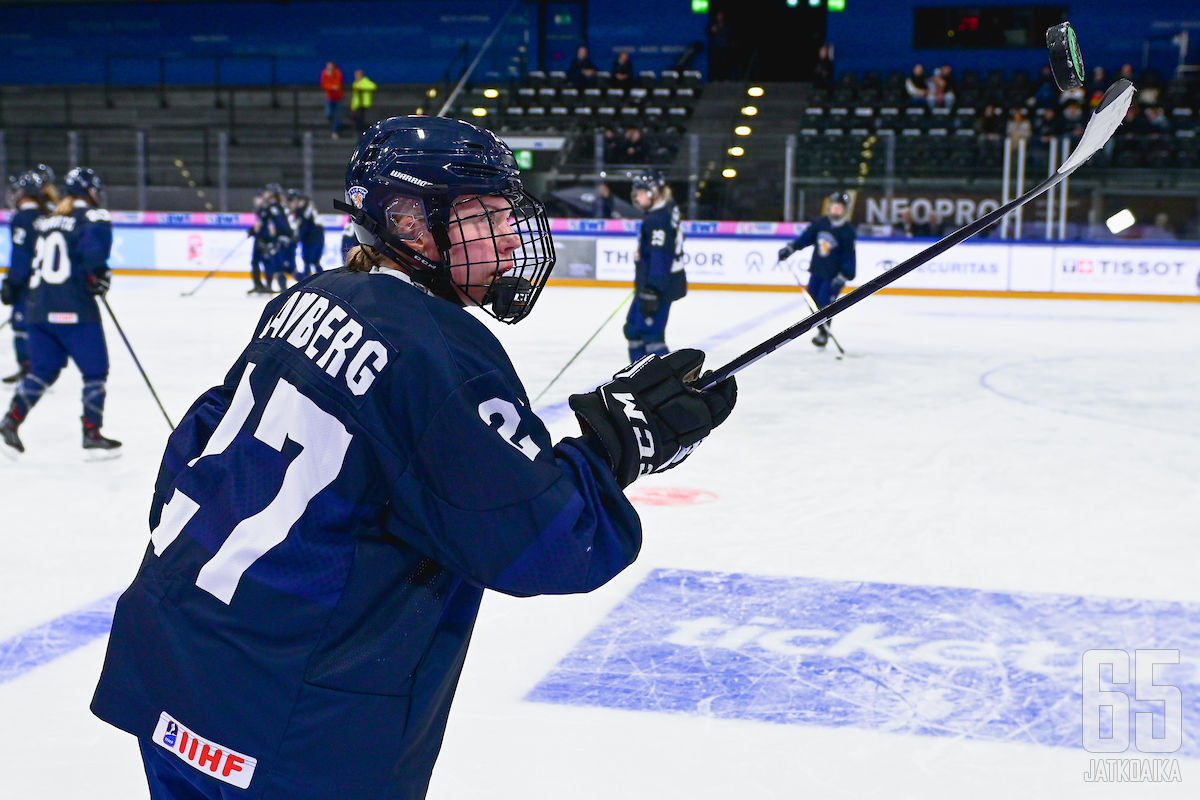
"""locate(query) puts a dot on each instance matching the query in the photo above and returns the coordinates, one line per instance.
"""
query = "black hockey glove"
(98, 283)
(786, 251)
(8, 292)
(649, 417)
(648, 301)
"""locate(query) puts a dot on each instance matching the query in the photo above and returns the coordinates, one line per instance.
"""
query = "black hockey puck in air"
(1065, 57)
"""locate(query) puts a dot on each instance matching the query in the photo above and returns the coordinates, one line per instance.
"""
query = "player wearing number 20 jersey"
(68, 271)
(325, 521)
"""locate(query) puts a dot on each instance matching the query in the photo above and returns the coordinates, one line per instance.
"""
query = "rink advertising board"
(913, 660)
(716, 255)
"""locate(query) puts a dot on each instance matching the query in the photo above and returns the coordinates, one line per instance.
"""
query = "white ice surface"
(1010, 445)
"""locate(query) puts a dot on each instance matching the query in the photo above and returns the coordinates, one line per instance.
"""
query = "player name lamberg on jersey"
(327, 334)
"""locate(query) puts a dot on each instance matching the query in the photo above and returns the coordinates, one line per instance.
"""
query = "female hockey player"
(69, 270)
(325, 522)
(833, 260)
(659, 278)
(310, 234)
(29, 200)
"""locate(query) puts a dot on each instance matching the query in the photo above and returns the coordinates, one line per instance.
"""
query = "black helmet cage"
(438, 171)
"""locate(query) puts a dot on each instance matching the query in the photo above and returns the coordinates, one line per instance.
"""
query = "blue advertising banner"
(928, 660)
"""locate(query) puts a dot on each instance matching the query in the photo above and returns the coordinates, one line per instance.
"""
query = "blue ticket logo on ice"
(929, 660)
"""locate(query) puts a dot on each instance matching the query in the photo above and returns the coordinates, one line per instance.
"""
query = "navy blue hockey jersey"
(660, 250)
(23, 236)
(833, 248)
(323, 526)
(68, 249)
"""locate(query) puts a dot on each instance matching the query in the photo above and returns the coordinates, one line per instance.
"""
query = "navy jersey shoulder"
(23, 237)
(336, 507)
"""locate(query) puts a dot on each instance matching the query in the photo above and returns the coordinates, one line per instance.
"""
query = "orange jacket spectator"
(331, 82)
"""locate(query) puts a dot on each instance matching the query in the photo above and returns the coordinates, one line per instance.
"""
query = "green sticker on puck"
(1076, 55)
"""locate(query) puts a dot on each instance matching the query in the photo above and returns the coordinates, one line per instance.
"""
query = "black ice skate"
(822, 337)
(8, 432)
(94, 440)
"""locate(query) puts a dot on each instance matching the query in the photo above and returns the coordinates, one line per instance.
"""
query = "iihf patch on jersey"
(893, 658)
(217, 760)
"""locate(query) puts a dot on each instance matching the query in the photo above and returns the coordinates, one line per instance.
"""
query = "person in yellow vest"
(362, 96)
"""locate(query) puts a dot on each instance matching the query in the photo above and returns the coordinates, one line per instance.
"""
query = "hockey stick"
(584, 347)
(808, 298)
(129, 347)
(213, 271)
(6, 323)
(1100, 128)
(812, 304)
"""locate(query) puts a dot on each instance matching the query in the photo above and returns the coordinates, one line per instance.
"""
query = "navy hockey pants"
(646, 334)
(821, 290)
(172, 779)
(49, 348)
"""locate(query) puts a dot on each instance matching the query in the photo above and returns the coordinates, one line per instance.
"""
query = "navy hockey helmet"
(83, 182)
(839, 197)
(650, 180)
(27, 184)
(45, 172)
(439, 171)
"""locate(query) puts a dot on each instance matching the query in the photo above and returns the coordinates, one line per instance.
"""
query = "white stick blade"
(1103, 124)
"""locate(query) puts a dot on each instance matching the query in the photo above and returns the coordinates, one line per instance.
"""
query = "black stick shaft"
(213, 271)
(875, 284)
(607, 319)
(129, 347)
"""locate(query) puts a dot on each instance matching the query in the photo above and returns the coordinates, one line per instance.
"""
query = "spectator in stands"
(1073, 95)
(1045, 92)
(633, 147)
(718, 48)
(916, 87)
(909, 229)
(1127, 72)
(362, 97)
(1161, 230)
(940, 88)
(1048, 125)
(823, 71)
(582, 72)
(991, 124)
(1095, 87)
(604, 201)
(622, 70)
(1073, 120)
(612, 147)
(1018, 125)
(331, 84)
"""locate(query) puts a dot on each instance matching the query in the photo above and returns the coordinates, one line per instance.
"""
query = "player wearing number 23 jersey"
(325, 521)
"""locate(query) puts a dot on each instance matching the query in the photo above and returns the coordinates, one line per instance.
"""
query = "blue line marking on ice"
(924, 660)
(32, 648)
(41, 645)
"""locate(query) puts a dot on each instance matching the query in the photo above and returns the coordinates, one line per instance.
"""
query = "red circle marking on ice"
(666, 496)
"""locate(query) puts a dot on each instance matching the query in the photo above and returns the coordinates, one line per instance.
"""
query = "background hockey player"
(29, 201)
(659, 279)
(276, 236)
(69, 270)
(325, 522)
(310, 234)
(833, 262)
